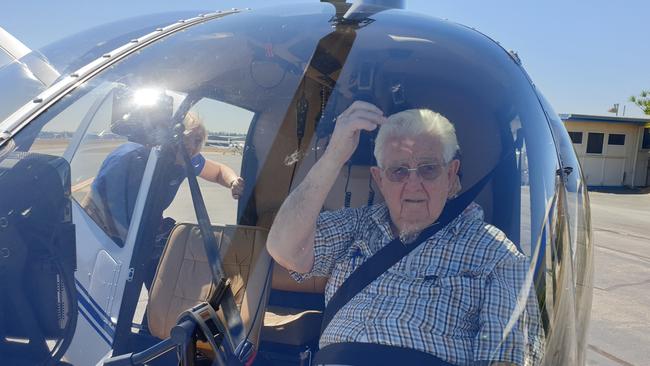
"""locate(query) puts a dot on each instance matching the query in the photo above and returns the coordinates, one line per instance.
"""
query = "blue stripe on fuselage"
(98, 308)
(98, 315)
(83, 313)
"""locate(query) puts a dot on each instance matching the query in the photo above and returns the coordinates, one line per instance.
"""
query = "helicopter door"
(76, 130)
(106, 231)
(79, 130)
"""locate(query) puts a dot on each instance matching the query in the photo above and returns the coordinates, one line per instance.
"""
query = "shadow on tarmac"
(620, 190)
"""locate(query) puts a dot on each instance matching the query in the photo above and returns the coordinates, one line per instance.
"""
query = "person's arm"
(291, 239)
(224, 175)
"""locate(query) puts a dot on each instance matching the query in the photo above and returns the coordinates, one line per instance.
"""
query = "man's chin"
(413, 226)
(415, 216)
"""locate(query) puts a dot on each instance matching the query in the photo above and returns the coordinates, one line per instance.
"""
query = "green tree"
(642, 101)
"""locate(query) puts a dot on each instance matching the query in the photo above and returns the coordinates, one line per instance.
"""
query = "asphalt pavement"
(222, 208)
(619, 331)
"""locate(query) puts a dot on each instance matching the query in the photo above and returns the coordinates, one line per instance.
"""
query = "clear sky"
(585, 55)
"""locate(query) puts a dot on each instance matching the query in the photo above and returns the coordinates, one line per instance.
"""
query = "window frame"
(573, 134)
(602, 142)
(72, 154)
(616, 136)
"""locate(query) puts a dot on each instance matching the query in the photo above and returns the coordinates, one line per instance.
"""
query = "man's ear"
(453, 167)
(452, 178)
(376, 175)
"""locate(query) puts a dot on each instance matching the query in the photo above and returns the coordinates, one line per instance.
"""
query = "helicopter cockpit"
(267, 87)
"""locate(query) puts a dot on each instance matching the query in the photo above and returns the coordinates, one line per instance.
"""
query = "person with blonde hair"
(113, 193)
(194, 139)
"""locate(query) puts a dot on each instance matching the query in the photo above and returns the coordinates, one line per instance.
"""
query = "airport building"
(613, 151)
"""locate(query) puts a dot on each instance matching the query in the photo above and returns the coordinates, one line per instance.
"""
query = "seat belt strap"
(361, 354)
(394, 251)
(224, 296)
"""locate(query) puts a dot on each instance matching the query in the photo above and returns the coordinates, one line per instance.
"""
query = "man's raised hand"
(345, 138)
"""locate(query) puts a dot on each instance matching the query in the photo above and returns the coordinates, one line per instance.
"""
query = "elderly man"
(457, 297)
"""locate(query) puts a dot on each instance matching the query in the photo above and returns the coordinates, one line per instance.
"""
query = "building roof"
(605, 119)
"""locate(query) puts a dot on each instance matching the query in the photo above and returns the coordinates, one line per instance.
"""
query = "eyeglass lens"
(426, 172)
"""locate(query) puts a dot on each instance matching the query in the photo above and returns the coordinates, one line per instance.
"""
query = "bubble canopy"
(268, 85)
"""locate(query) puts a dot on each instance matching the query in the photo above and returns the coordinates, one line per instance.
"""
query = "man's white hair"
(417, 122)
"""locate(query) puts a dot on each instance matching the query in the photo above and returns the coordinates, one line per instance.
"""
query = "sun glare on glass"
(146, 97)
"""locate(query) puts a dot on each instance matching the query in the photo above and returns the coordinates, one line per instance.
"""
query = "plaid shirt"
(453, 297)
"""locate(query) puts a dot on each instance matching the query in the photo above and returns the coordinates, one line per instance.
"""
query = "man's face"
(417, 200)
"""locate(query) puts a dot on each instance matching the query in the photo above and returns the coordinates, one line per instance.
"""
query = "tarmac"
(619, 331)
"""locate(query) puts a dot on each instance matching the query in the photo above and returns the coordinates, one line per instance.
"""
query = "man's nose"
(414, 178)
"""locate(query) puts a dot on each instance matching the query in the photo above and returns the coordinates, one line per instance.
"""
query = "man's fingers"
(357, 117)
(361, 105)
(366, 124)
(363, 120)
(370, 115)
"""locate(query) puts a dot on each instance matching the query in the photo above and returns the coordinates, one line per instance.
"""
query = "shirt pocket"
(357, 253)
(459, 299)
(462, 291)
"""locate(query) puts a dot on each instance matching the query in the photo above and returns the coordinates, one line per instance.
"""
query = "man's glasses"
(425, 171)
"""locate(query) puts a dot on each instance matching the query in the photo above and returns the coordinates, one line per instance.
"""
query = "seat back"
(183, 278)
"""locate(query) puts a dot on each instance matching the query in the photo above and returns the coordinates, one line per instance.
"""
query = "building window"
(576, 137)
(646, 138)
(595, 143)
(616, 139)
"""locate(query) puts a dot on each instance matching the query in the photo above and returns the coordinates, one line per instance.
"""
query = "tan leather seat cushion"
(183, 278)
(283, 281)
(281, 278)
(291, 326)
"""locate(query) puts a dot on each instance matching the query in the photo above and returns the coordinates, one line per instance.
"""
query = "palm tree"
(642, 101)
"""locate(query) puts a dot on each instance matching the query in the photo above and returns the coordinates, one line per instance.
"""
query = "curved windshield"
(305, 144)
(70, 53)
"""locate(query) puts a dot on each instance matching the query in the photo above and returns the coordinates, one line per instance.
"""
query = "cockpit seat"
(183, 278)
(291, 325)
(295, 325)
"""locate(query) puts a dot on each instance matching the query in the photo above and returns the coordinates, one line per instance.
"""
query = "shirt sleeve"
(335, 232)
(198, 162)
(509, 322)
